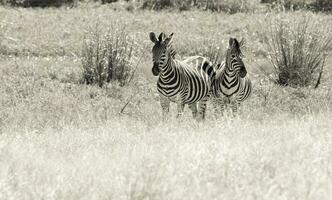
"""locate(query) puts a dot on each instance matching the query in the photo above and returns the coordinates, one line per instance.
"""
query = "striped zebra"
(183, 82)
(231, 84)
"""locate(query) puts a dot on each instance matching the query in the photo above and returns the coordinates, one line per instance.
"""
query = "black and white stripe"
(184, 82)
(232, 84)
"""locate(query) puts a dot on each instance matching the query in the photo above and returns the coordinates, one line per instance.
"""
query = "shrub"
(108, 1)
(288, 4)
(318, 5)
(323, 5)
(157, 4)
(39, 3)
(297, 48)
(107, 57)
(229, 6)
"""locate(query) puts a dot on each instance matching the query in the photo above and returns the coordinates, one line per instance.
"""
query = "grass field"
(60, 139)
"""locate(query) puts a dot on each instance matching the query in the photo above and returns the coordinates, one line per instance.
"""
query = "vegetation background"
(79, 110)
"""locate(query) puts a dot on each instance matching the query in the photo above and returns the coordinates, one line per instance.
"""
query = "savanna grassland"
(61, 139)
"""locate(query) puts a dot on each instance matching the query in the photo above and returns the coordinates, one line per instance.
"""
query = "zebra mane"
(219, 69)
(172, 51)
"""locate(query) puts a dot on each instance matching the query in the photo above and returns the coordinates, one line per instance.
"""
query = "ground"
(64, 140)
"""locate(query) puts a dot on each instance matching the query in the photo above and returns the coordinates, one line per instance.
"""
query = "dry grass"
(126, 159)
(64, 140)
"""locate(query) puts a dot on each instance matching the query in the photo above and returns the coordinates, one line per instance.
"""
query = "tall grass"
(214, 51)
(107, 56)
(297, 48)
(2, 36)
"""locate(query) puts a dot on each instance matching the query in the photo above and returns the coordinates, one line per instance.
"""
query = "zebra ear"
(236, 43)
(231, 40)
(169, 38)
(233, 43)
(161, 37)
(153, 37)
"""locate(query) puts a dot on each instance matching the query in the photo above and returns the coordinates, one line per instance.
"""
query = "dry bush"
(107, 56)
(157, 4)
(288, 4)
(232, 6)
(229, 6)
(108, 1)
(323, 5)
(39, 3)
(317, 5)
(297, 48)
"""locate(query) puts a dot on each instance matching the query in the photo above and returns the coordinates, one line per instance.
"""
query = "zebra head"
(161, 50)
(234, 57)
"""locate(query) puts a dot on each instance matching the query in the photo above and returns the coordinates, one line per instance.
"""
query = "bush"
(297, 48)
(323, 5)
(157, 4)
(108, 1)
(317, 5)
(229, 6)
(39, 3)
(107, 57)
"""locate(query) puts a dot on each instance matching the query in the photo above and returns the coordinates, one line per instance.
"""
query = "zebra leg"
(202, 107)
(180, 107)
(164, 102)
(193, 108)
(235, 105)
(224, 101)
(215, 104)
(222, 108)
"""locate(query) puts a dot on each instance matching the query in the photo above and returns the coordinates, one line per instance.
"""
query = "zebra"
(231, 84)
(183, 82)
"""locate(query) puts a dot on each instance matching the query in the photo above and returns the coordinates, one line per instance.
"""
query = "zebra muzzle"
(155, 70)
(243, 72)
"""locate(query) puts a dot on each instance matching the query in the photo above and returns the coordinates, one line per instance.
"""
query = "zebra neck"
(229, 78)
(230, 72)
(168, 67)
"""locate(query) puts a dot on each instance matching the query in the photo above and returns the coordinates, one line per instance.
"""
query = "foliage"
(107, 56)
(318, 5)
(39, 3)
(232, 6)
(157, 4)
(108, 1)
(288, 4)
(297, 48)
(229, 6)
(323, 5)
